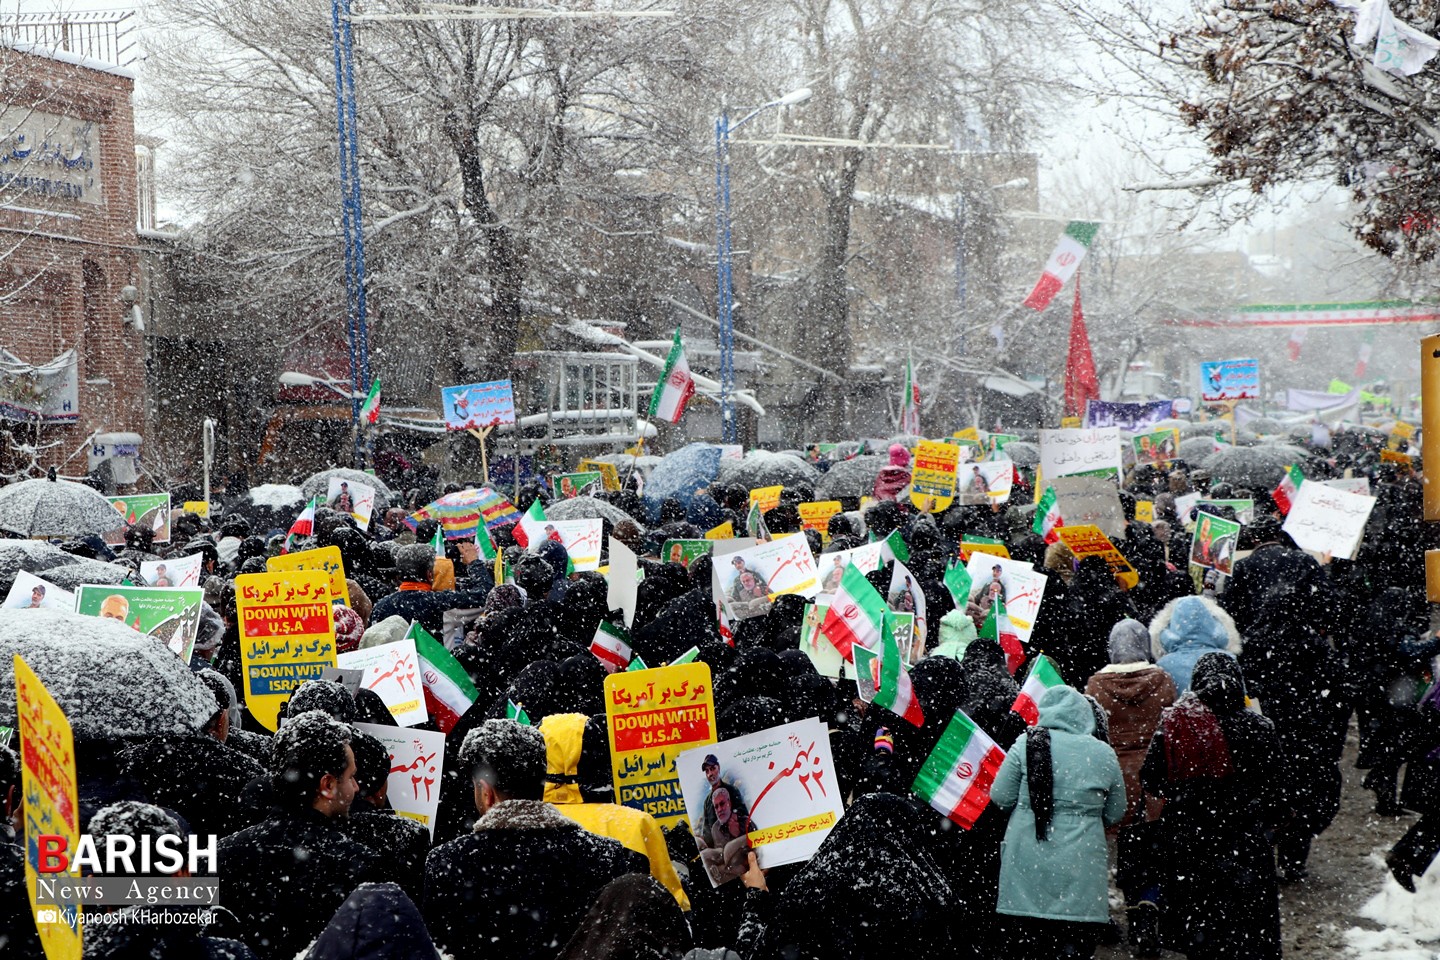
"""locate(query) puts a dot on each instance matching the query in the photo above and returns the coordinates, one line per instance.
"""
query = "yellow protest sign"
(932, 478)
(326, 559)
(970, 545)
(1069, 423)
(767, 497)
(1145, 511)
(51, 803)
(198, 507)
(1087, 541)
(1394, 456)
(287, 636)
(969, 433)
(725, 531)
(654, 716)
(609, 475)
(816, 516)
(1403, 430)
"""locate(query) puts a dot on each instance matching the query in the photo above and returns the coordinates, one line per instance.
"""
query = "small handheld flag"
(303, 526)
(1043, 676)
(535, 514)
(370, 409)
(957, 775)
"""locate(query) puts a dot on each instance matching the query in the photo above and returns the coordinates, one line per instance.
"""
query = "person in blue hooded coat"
(1187, 629)
(1063, 787)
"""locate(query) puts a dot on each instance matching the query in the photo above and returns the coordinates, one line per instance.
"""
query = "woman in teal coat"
(1064, 787)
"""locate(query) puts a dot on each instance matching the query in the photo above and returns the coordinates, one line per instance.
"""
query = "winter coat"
(517, 886)
(1185, 631)
(401, 840)
(633, 829)
(199, 778)
(376, 922)
(18, 936)
(634, 918)
(150, 939)
(285, 877)
(1063, 877)
(426, 606)
(957, 631)
(1079, 644)
(1270, 568)
(872, 890)
(894, 477)
(1133, 696)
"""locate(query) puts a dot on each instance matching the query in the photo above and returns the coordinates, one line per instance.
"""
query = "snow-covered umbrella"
(1257, 468)
(56, 508)
(1023, 453)
(1195, 449)
(587, 508)
(277, 496)
(681, 473)
(318, 484)
(110, 680)
(850, 478)
(49, 562)
(761, 468)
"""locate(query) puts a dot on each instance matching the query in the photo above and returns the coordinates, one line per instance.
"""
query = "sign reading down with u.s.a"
(287, 635)
(654, 716)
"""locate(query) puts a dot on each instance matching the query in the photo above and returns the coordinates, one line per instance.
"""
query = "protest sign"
(1183, 505)
(722, 531)
(1156, 447)
(148, 510)
(1091, 500)
(773, 791)
(816, 516)
(171, 616)
(1360, 485)
(1087, 541)
(584, 484)
(932, 476)
(580, 538)
(968, 435)
(971, 544)
(1327, 520)
(417, 760)
(906, 598)
(50, 803)
(733, 545)
(287, 636)
(1070, 423)
(988, 481)
(1018, 584)
(1244, 509)
(1145, 511)
(654, 716)
(1222, 380)
(832, 565)
(684, 551)
(174, 571)
(392, 670)
(475, 406)
(748, 581)
(1130, 417)
(731, 451)
(767, 497)
(30, 592)
(327, 560)
(826, 659)
(351, 497)
(1213, 546)
(198, 507)
(995, 443)
(1093, 451)
(609, 474)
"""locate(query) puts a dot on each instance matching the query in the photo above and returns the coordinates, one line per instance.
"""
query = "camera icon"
(47, 915)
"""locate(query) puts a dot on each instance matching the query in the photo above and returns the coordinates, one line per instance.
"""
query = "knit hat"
(899, 456)
(349, 628)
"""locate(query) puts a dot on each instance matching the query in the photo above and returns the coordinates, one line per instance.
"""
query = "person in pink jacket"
(893, 479)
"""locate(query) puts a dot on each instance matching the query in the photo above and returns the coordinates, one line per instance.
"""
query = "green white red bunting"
(1284, 494)
(957, 775)
(1063, 262)
(674, 388)
(1047, 516)
(370, 409)
(1043, 676)
(448, 690)
(856, 616)
(881, 678)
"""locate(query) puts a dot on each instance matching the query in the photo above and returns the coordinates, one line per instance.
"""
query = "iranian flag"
(755, 522)
(370, 409)
(1284, 494)
(437, 542)
(535, 514)
(910, 402)
(303, 526)
(1362, 359)
(997, 627)
(957, 581)
(611, 646)
(1063, 261)
(483, 544)
(674, 388)
(1047, 516)
(856, 617)
(448, 690)
(513, 711)
(956, 777)
(1043, 676)
(723, 624)
(880, 677)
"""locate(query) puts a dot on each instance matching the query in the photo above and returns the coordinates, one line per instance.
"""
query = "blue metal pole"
(339, 14)
(360, 370)
(724, 293)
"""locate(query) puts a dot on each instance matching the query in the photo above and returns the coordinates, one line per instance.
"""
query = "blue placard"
(1229, 380)
(474, 406)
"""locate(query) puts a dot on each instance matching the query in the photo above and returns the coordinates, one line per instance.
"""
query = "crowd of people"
(1196, 744)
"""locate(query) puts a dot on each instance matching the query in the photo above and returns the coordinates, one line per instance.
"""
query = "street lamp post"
(725, 295)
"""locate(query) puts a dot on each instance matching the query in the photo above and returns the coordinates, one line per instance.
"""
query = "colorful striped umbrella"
(460, 512)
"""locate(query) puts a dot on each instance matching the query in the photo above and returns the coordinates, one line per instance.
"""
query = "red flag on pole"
(1081, 383)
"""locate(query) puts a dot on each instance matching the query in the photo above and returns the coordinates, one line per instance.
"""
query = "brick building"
(72, 374)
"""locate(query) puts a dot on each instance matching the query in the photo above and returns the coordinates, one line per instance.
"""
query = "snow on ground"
(1410, 921)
